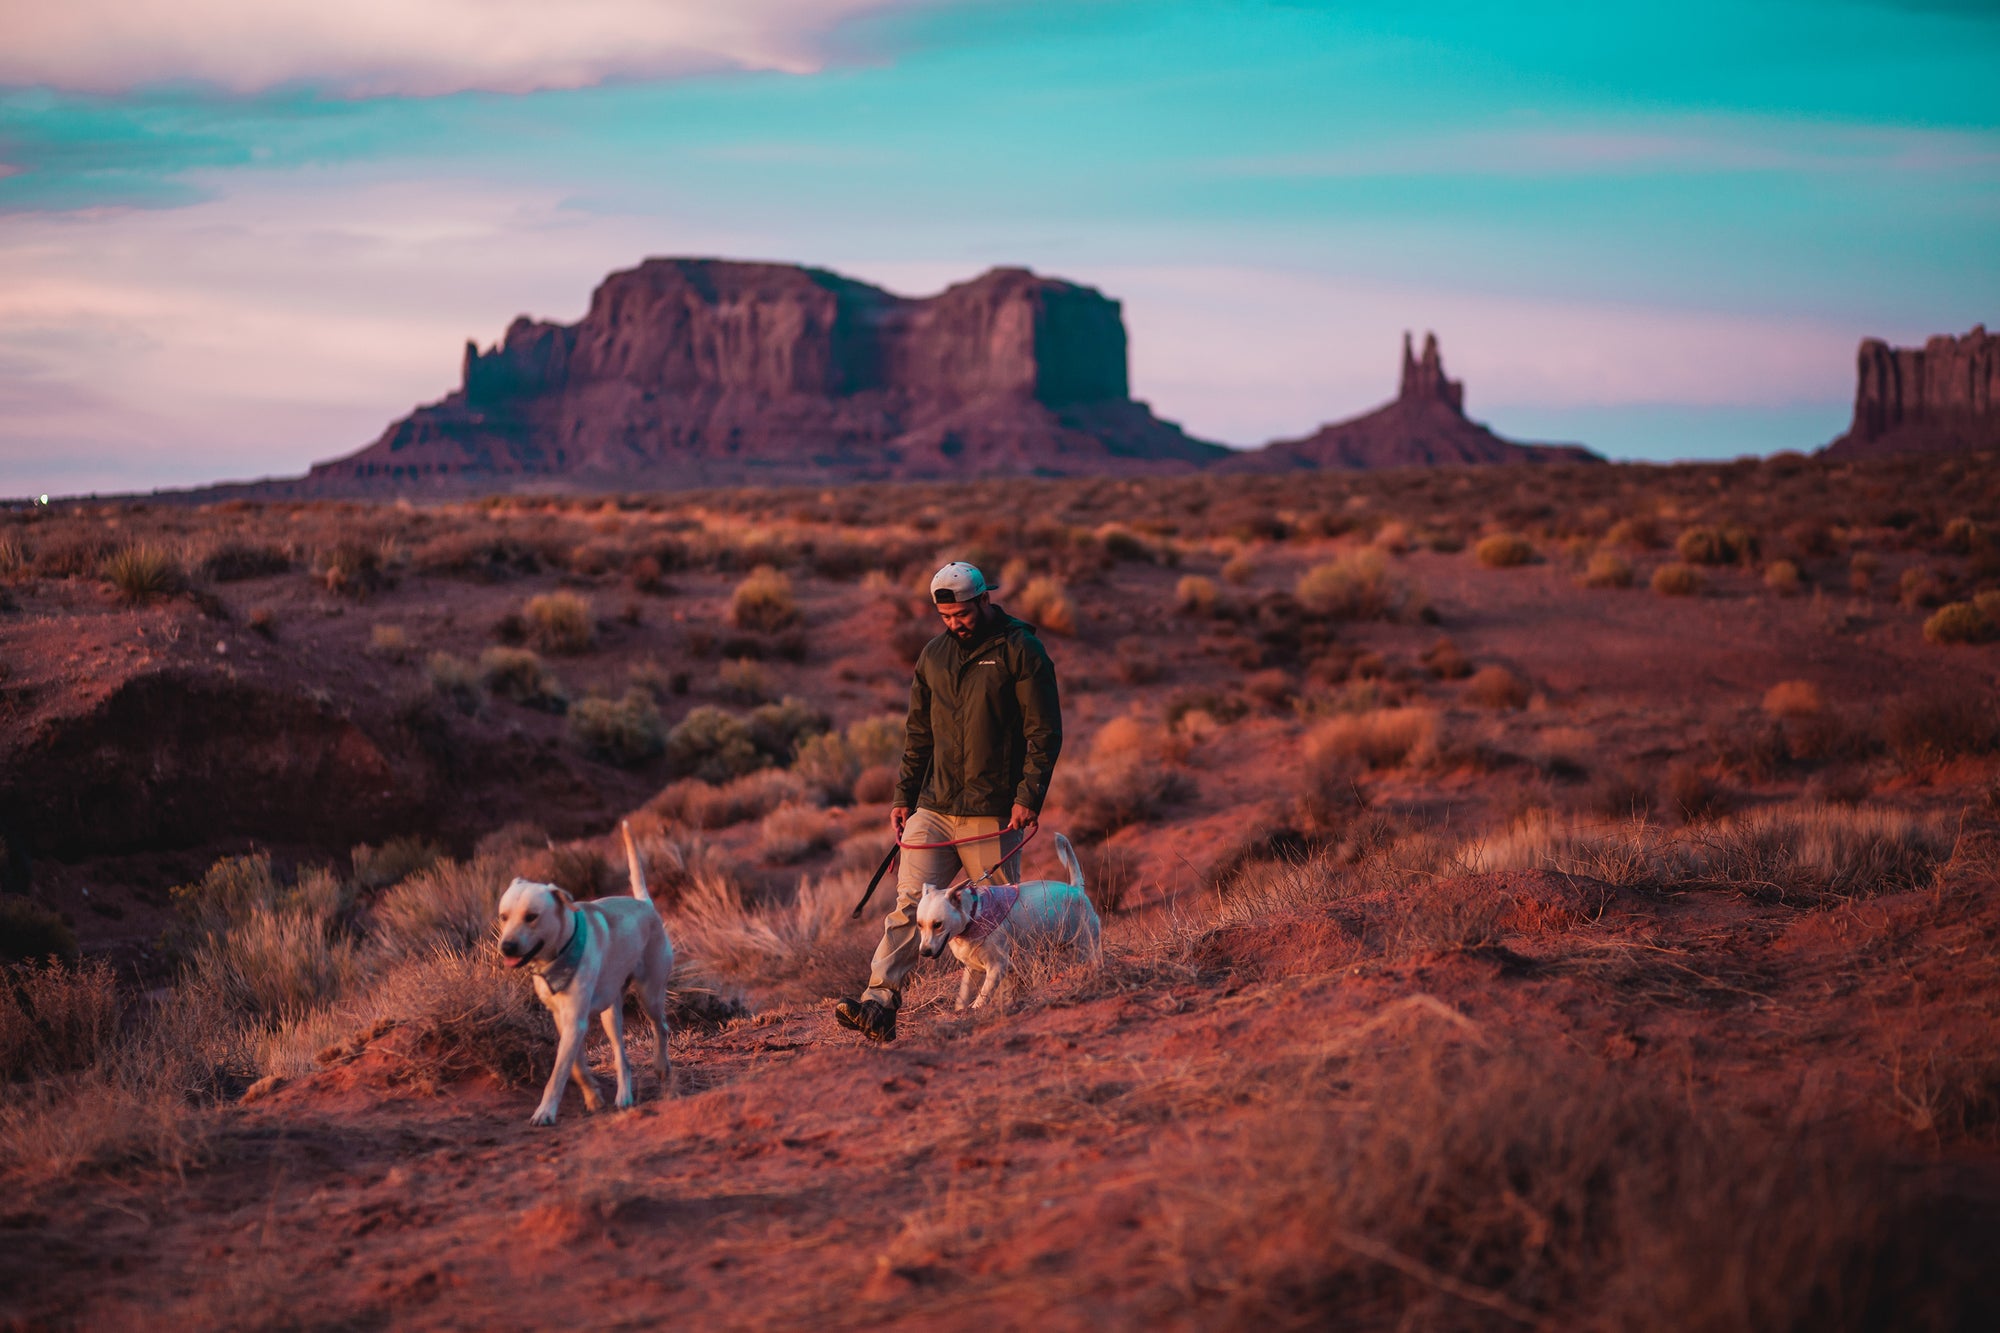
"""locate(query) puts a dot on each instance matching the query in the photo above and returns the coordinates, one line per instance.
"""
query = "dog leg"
(653, 999)
(994, 971)
(586, 1082)
(569, 1049)
(964, 987)
(613, 1018)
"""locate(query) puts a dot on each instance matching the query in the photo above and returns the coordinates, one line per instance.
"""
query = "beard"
(963, 633)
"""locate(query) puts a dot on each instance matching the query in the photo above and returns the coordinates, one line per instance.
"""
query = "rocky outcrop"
(1426, 425)
(1943, 397)
(710, 372)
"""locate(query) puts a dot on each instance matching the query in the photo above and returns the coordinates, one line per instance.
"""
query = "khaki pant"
(897, 953)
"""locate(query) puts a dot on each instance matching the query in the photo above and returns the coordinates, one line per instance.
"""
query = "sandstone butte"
(1425, 425)
(706, 372)
(1943, 397)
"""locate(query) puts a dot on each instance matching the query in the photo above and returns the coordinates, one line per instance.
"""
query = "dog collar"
(994, 905)
(561, 970)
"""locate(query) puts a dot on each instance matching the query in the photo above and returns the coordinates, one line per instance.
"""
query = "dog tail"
(636, 866)
(1070, 863)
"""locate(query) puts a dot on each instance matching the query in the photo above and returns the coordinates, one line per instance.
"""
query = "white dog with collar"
(582, 956)
(982, 925)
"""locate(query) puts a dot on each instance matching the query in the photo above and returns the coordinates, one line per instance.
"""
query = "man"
(984, 731)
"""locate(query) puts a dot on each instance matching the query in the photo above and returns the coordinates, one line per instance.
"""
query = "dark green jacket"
(985, 724)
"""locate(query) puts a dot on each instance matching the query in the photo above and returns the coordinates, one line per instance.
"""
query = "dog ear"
(958, 896)
(563, 895)
(929, 889)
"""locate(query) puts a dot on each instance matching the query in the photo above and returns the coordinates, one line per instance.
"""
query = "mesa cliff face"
(1942, 397)
(710, 372)
(1425, 425)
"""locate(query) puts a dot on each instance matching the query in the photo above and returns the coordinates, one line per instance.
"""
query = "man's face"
(962, 618)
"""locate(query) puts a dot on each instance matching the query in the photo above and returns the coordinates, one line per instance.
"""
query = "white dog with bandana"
(982, 925)
(582, 956)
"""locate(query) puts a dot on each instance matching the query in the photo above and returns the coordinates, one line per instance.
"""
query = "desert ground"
(1548, 897)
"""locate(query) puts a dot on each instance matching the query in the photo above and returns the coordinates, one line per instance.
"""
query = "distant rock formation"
(709, 372)
(1941, 398)
(1426, 425)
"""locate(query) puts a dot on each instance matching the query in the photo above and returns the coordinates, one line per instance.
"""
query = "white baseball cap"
(958, 582)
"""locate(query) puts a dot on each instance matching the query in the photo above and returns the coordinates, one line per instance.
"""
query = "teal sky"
(237, 249)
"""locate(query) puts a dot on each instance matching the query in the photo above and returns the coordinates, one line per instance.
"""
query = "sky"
(241, 236)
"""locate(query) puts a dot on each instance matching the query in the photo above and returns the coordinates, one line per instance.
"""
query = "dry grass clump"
(1607, 569)
(1497, 687)
(560, 622)
(144, 573)
(626, 731)
(1421, 1173)
(1503, 550)
(445, 904)
(1959, 622)
(460, 1015)
(519, 675)
(1445, 661)
(391, 643)
(1380, 738)
(763, 602)
(1358, 585)
(1046, 604)
(1717, 546)
(1794, 699)
(745, 680)
(694, 803)
(55, 1017)
(1783, 578)
(794, 831)
(1676, 579)
(266, 947)
(234, 561)
(1695, 794)
(456, 680)
(1195, 595)
(807, 940)
(1922, 586)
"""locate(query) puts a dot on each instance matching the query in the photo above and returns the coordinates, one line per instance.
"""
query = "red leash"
(901, 846)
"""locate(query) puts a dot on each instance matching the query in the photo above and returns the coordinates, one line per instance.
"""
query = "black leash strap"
(880, 871)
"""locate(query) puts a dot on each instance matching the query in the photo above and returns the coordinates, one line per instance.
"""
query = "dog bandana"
(996, 904)
(562, 968)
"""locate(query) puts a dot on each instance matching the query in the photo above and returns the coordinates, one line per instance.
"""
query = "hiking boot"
(871, 1018)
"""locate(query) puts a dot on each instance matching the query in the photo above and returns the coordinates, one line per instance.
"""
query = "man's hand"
(899, 816)
(1024, 820)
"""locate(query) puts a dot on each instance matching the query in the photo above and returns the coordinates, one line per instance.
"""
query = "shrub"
(349, 566)
(517, 674)
(1383, 738)
(1862, 569)
(1677, 580)
(1939, 723)
(1794, 699)
(745, 680)
(1195, 595)
(143, 573)
(1716, 546)
(1607, 569)
(704, 805)
(832, 762)
(1240, 568)
(391, 642)
(763, 602)
(1444, 661)
(1497, 687)
(1128, 778)
(1988, 604)
(777, 730)
(1503, 549)
(234, 561)
(1045, 604)
(455, 679)
(30, 931)
(1922, 586)
(560, 622)
(1958, 622)
(1358, 586)
(394, 861)
(1782, 577)
(1695, 795)
(713, 745)
(795, 831)
(1639, 533)
(269, 948)
(627, 731)
(14, 559)
(55, 1018)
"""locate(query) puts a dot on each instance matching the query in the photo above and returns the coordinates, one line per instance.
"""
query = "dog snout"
(510, 946)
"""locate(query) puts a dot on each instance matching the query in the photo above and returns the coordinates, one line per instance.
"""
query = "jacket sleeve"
(1041, 722)
(916, 741)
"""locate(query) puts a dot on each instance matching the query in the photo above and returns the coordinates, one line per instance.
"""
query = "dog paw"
(626, 1101)
(542, 1118)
